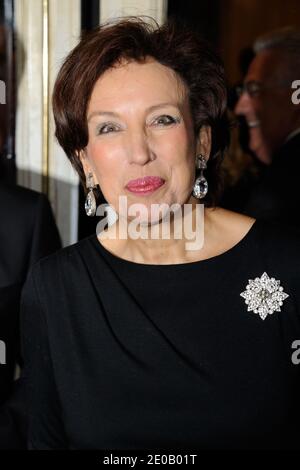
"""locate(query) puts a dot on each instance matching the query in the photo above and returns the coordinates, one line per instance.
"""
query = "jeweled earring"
(90, 201)
(201, 185)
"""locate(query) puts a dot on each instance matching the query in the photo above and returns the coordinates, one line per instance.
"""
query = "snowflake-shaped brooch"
(264, 295)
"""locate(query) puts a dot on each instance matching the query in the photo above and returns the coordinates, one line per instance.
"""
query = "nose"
(138, 148)
(243, 106)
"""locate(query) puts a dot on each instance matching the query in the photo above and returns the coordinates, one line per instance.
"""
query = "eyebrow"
(151, 108)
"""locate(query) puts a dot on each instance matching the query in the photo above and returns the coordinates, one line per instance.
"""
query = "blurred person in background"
(273, 120)
(27, 233)
(242, 168)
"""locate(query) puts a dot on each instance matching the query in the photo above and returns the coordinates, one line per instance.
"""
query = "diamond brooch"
(264, 295)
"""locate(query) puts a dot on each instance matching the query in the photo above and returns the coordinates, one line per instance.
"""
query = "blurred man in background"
(274, 125)
(27, 233)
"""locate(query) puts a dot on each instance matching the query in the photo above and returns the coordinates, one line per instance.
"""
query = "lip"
(254, 123)
(145, 185)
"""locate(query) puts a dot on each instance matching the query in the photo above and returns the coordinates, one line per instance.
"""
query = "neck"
(174, 239)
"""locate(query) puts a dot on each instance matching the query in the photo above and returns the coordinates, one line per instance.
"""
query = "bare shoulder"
(232, 221)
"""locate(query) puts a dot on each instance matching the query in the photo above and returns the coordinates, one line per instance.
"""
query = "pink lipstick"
(145, 185)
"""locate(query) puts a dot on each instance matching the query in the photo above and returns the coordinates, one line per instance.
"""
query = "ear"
(84, 161)
(203, 145)
(82, 155)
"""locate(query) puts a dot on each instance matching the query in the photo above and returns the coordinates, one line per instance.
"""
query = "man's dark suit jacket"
(277, 194)
(27, 233)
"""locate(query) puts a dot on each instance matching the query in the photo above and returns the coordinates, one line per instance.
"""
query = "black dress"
(123, 355)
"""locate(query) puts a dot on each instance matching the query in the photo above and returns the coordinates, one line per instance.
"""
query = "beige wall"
(112, 8)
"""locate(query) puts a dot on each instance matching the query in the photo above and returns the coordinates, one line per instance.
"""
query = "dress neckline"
(122, 262)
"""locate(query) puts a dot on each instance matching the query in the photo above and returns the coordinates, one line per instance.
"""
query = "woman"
(133, 342)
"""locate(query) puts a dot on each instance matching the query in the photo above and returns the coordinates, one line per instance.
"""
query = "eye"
(253, 88)
(166, 120)
(106, 128)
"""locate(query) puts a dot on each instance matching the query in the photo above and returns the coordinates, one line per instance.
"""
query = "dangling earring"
(90, 201)
(201, 185)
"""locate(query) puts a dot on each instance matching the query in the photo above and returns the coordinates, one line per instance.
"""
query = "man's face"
(266, 102)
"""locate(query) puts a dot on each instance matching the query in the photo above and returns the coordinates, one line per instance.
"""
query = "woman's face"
(140, 125)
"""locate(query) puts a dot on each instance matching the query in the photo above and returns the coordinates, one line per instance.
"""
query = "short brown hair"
(174, 45)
